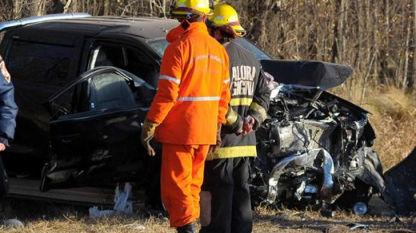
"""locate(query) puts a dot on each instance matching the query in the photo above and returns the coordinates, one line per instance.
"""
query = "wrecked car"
(315, 149)
(73, 130)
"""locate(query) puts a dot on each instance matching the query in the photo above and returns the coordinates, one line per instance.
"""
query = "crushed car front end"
(315, 148)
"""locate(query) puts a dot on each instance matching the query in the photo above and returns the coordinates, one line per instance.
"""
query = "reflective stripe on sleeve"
(208, 56)
(198, 98)
(215, 58)
(169, 78)
(226, 81)
(231, 117)
(241, 102)
(233, 152)
(259, 110)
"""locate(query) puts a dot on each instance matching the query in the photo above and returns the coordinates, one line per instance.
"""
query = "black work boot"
(188, 228)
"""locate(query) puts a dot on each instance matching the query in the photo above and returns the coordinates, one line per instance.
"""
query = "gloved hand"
(249, 124)
(240, 126)
(147, 134)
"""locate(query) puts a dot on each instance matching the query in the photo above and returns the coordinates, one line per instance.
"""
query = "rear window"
(42, 63)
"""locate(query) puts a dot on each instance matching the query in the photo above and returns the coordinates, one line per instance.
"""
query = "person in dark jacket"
(225, 200)
(8, 111)
(8, 108)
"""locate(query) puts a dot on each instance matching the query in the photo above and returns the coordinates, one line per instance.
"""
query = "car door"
(95, 127)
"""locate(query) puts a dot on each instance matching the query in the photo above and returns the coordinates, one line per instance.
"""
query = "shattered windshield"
(159, 45)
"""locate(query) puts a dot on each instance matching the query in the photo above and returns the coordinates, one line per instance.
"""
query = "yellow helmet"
(189, 7)
(226, 16)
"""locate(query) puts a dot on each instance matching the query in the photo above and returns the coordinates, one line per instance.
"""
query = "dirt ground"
(45, 217)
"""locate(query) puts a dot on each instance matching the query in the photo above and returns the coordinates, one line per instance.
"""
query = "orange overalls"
(192, 98)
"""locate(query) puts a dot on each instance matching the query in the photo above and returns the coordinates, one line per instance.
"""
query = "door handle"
(66, 140)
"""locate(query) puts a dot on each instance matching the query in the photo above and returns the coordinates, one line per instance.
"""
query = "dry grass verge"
(49, 218)
(393, 117)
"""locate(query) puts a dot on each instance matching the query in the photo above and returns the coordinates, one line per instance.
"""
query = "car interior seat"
(102, 59)
(109, 91)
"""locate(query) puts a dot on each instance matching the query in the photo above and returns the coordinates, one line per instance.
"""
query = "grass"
(81, 225)
(51, 218)
(395, 122)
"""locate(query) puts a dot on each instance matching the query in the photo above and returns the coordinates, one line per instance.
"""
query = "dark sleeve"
(4, 141)
(261, 100)
(8, 109)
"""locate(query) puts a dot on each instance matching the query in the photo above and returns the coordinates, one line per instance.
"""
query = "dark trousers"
(227, 181)
(4, 180)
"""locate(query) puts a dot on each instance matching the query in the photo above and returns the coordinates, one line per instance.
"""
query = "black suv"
(83, 86)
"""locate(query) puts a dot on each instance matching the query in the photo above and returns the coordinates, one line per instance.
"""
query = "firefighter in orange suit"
(188, 110)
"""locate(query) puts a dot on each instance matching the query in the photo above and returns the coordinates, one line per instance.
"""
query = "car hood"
(319, 74)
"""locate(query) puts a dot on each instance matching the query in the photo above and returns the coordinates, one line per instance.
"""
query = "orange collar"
(177, 32)
(197, 27)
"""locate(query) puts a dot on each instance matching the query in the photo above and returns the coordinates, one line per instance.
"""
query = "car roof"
(144, 27)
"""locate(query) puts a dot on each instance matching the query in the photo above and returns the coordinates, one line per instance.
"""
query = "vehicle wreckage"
(315, 149)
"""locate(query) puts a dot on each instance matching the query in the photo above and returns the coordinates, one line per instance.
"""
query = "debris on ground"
(13, 223)
(123, 204)
(135, 226)
(359, 226)
(395, 220)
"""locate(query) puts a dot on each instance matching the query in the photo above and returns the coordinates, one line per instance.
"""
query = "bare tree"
(54, 7)
(258, 13)
(412, 54)
(377, 38)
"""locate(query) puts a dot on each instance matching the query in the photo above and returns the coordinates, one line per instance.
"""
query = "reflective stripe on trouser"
(233, 152)
(181, 179)
(227, 181)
